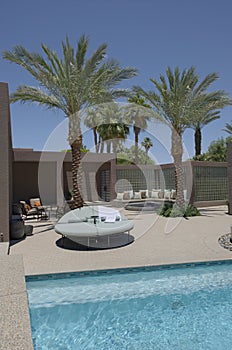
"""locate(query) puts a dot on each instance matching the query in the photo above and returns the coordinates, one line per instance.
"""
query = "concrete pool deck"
(158, 241)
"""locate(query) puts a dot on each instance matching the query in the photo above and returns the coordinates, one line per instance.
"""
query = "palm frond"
(81, 51)
(31, 94)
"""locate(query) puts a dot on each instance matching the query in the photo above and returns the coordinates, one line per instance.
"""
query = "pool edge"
(121, 270)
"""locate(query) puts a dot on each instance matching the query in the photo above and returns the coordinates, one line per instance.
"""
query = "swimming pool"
(175, 307)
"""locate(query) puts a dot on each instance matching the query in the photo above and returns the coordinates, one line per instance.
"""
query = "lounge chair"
(28, 212)
(36, 204)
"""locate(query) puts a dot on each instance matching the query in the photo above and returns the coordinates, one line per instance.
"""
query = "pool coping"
(124, 270)
(15, 321)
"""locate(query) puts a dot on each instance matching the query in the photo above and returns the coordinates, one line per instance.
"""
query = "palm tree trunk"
(177, 151)
(95, 139)
(77, 173)
(114, 143)
(102, 146)
(136, 132)
(198, 138)
(75, 140)
(108, 144)
(147, 154)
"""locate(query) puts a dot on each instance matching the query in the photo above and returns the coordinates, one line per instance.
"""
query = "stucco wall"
(6, 155)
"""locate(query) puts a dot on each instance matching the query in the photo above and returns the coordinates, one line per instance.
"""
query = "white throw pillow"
(155, 194)
(137, 195)
(173, 194)
(167, 194)
(120, 195)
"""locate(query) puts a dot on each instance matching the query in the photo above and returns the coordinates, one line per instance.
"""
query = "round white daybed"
(95, 226)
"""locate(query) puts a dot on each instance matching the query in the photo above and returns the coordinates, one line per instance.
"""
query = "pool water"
(182, 307)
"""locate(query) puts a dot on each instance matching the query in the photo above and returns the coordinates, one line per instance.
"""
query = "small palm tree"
(69, 84)
(147, 144)
(228, 128)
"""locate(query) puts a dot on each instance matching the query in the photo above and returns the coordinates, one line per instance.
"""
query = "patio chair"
(36, 204)
(28, 212)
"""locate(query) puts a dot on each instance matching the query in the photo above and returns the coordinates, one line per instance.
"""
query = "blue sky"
(149, 35)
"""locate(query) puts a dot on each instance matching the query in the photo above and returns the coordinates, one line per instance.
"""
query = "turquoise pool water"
(181, 307)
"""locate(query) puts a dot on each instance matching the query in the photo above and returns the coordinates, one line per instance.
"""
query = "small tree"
(216, 152)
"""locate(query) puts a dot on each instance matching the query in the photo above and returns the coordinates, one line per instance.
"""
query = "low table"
(94, 222)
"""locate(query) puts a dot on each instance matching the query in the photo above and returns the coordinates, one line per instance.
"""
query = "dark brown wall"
(6, 155)
(25, 181)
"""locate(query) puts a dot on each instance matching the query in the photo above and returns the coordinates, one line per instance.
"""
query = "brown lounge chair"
(35, 210)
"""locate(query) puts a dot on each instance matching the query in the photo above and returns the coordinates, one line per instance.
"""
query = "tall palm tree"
(147, 144)
(228, 128)
(69, 84)
(179, 97)
(140, 118)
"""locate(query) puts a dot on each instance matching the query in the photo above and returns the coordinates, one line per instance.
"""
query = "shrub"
(173, 211)
(191, 211)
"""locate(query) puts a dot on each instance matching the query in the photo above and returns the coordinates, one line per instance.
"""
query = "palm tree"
(197, 126)
(228, 128)
(92, 119)
(69, 84)
(140, 118)
(112, 124)
(147, 144)
(111, 132)
(207, 110)
(179, 99)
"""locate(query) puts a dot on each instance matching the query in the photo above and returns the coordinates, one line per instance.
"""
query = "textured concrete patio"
(158, 241)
